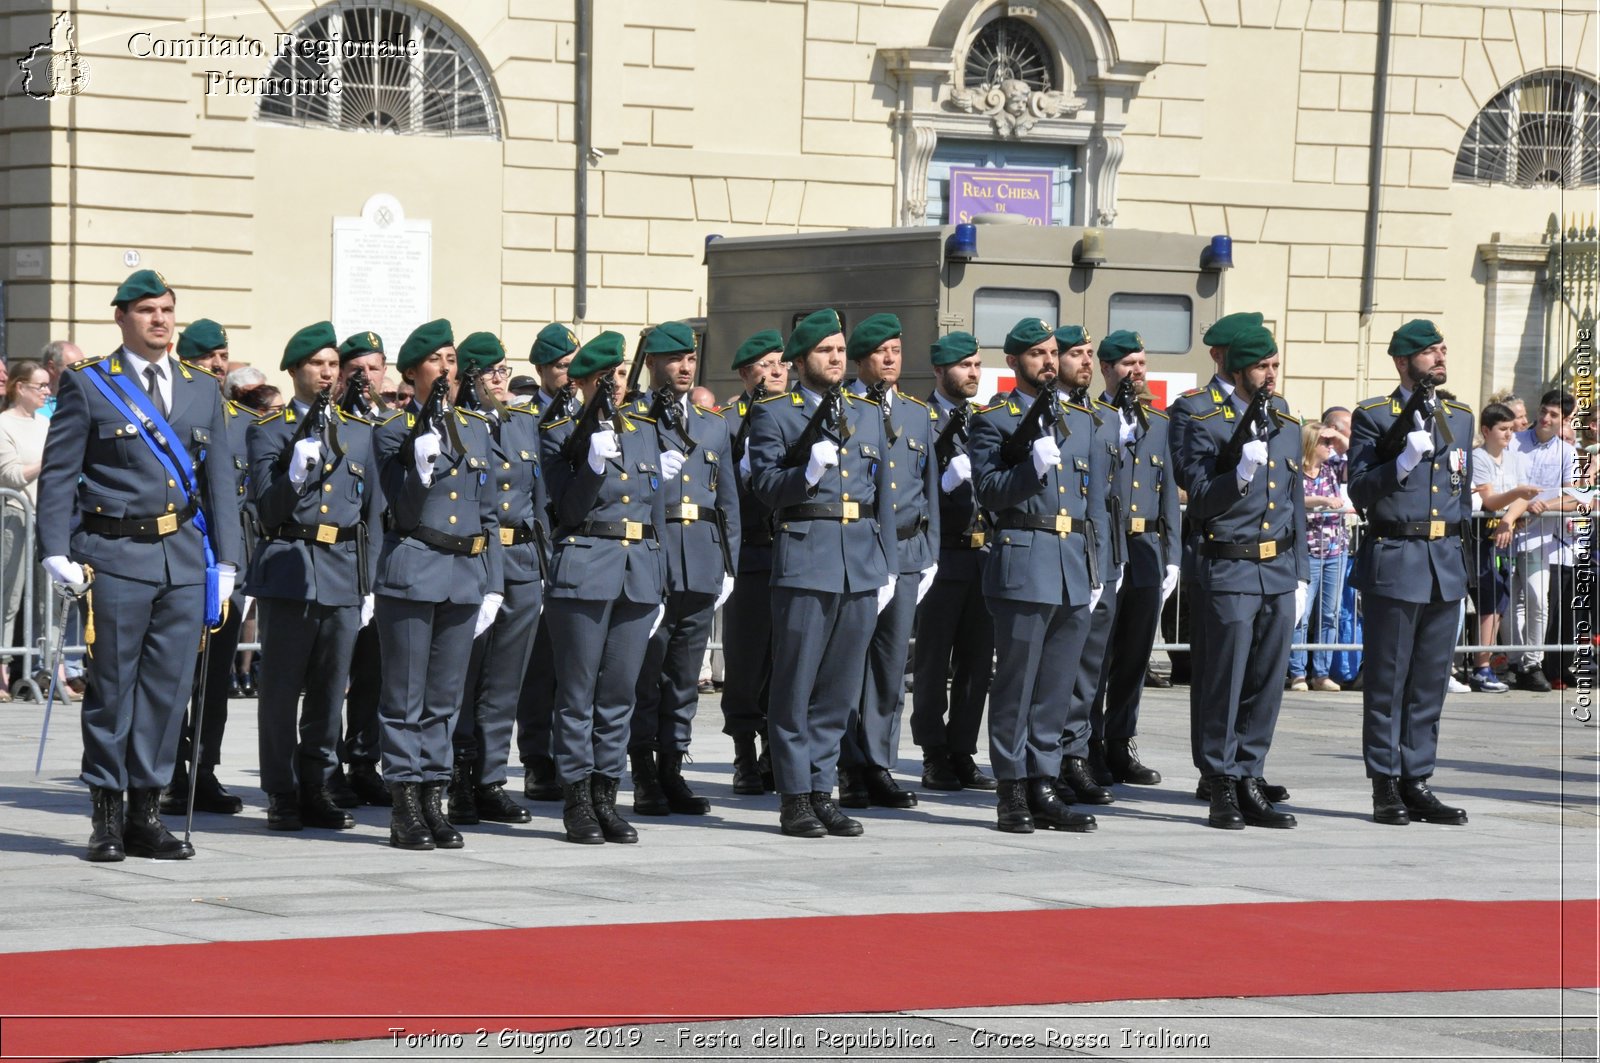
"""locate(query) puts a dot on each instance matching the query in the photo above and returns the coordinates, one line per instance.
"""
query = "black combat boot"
(283, 812)
(463, 791)
(1223, 794)
(367, 783)
(540, 781)
(1424, 806)
(1271, 791)
(1257, 810)
(937, 771)
(1013, 807)
(680, 798)
(746, 767)
(797, 819)
(145, 835)
(884, 791)
(852, 789)
(603, 792)
(1387, 807)
(444, 835)
(1076, 780)
(833, 821)
(175, 795)
(972, 777)
(339, 788)
(1122, 757)
(318, 808)
(496, 806)
(407, 828)
(209, 796)
(577, 814)
(769, 781)
(648, 797)
(105, 837)
(1044, 804)
(1099, 770)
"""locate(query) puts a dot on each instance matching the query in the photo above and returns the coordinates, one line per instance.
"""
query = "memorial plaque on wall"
(382, 272)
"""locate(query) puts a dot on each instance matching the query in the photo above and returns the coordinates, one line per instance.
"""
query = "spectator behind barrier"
(22, 435)
(1328, 542)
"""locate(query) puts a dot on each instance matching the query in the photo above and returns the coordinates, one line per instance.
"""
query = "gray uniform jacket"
(341, 493)
(960, 516)
(239, 420)
(806, 553)
(519, 491)
(755, 516)
(459, 502)
(95, 462)
(1149, 492)
(1046, 567)
(704, 488)
(1272, 507)
(1185, 407)
(1438, 489)
(913, 480)
(591, 567)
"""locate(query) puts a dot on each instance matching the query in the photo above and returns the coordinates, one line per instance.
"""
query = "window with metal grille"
(1009, 49)
(1541, 131)
(400, 70)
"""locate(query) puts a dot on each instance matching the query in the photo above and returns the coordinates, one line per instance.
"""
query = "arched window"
(400, 70)
(1008, 49)
(1542, 130)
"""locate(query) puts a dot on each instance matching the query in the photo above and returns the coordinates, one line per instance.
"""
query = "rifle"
(1080, 397)
(436, 412)
(1257, 422)
(956, 428)
(1042, 417)
(1126, 401)
(601, 408)
(877, 392)
(317, 420)
(468, 396)
(827, 420)
(1423, 401)
(357, 398)
(665, 409)
(742, 437)
(558, 405)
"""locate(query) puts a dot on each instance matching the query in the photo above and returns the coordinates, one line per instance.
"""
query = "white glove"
(886, 592)
(824, 456)
(1302, 591)
(486, 613)
(423, 453)
(744, 465)
(1129, 430)
(1094, 596)
(1418, 444)
(722, 595)
(226, 576)
(368, 604)
(958, 472)
(926, 581)
(1046, 455)
(67, 573)
(1169, 582)
(603, 445)
(661, 611)
(1252, 456)
(671, 464)
(307, 455)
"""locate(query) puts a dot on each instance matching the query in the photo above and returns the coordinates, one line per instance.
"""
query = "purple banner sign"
(1025, 193)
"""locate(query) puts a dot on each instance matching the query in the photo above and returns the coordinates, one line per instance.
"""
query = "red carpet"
(100, 1002)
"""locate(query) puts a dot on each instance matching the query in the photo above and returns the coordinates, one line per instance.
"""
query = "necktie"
(152, 384)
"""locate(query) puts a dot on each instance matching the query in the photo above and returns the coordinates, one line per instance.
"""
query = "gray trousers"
(1406, 653)
(426, 647)
(668, 691)
(306, 649)
(1237, 686)
(601, 647)
(873, 734)
(494, 683)
(1090, 683)
(1040, 647)
(816, 682)
(139, 673)
(955, 644)
(747, 649)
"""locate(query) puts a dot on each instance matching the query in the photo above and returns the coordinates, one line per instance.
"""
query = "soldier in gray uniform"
(317, 494)
(1247, 502)
(1147, 497)
(701, 542)
(438, 585)
(552, 353)
(204, 345)
(954, 656)
(871, 742)
(1411, 572)
(1042, 578)
(747, 616)
(817, 457)
(500, 655)
(121, 495)
(608, 579)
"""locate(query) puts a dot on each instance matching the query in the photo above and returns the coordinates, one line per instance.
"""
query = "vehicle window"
(1164, 322)
(996, 310)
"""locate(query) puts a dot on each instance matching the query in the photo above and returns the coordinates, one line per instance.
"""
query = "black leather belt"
(1414, 529)
(470, 545)
(828, 511)
(160, 527)
(1060, 523)
(631, 531)
(687, 513)
(325, 534)
(973, 540)
(515, 535)
(1246, 551)
(912, 532)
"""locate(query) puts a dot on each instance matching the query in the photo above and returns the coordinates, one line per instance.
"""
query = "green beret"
(306, 342)
(554, 342)
(1071, 336)
(670, 337)
(811, 331)
(1221, 333)
(480, 350)
(200, 339)
(1251, 344)
(603, 352)
(758, 347)
(872, 333)
(1120, 344)
(423, 341)
(141, 284)
(1413, 336)
(1029, 332)
(956, 347)
(359, 344)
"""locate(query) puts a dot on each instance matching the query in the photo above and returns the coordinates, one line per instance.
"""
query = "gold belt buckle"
(327, 534)
(1268, 551)
(1136, 525)
(1436, 529)
(977, 539)
(633, 530)
(691, 512)
(850, 511)
(166, 524)
(1063, 524)
(508, 536)
(478, 543)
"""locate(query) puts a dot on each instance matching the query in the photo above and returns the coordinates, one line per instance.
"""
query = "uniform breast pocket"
(355, 487)
(117, 436)
(921, 454)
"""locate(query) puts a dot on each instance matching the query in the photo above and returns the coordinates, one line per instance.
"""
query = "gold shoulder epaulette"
(910, 398)
(707, 410)
(1372, 404)
(851, 396)
(1192, 391)
(270, 418)
(798, 401)
(990, 409)
(1203, 416)
(1159, 413)
(201, 369)
(78, 367)
(1069, 404)
(473, 413)
(639, 417)
(1286, 417)
(1463, 407)
(1103, 403)
(558, 423)
(394, 414)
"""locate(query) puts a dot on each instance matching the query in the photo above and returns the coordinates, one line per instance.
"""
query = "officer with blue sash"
(137, 486)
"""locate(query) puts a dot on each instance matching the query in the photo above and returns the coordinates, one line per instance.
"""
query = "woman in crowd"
(1329, 543)
(22, 433)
